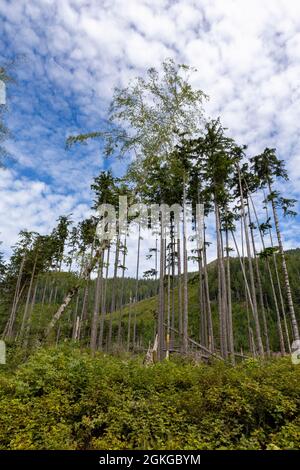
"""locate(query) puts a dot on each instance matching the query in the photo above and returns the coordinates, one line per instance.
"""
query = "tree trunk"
(129, 323)
(26, 309)
(251, 273)
(221, 283)
(279, 285)
(168, 306)
(97, 301)
(229, 301)
(103, 303)
(285, 272)
(280, 333)
(211, 341)
(71, 292)
(122, 291)
(260, 291)
(161, 307)
(8, 331)
(137, 282)
(180, 322)
(114, 289)
(185, 277)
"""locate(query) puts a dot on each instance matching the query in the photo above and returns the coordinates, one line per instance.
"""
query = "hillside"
(143, 313)
(145, 310)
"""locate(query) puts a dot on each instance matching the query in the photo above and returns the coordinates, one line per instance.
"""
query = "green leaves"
(64, 399)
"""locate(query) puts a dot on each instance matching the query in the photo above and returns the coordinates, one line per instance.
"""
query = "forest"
(193, 353)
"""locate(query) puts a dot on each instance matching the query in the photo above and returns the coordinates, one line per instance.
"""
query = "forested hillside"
(189, 353)
(134, 326)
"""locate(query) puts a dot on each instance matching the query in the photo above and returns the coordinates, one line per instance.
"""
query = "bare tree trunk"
(180, 322)
(137, 282)
(202, 312)
(221, 291)
(71, 292)
(251, 274)
(76, 320)
(285, 271)
(279, 286)
(280, 333)
(129, 323)
(168, 307)
(211, 341)
(83, 315)
(161, 308)
(173, 248)
(122, 291)
(97, 301)
(103, 302)
(8, 331)
(113, 298)
(260, 291)
(44, 293)
(26, 309)
(28, 325)
(229, 301)
(185, 276)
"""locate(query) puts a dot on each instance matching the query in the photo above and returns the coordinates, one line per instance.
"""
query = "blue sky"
(73, 52)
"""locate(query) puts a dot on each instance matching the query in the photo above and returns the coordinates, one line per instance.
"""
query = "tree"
(268, 167)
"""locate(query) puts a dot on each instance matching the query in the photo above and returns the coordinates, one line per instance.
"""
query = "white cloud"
(246, 53)
(25, 203)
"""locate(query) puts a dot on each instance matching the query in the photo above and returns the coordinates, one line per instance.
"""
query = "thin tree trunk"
(113, 298)
(229, 301)
(161, 308)
(28, 326)
(221, 292)
(44, 293)
(285, 271)
(280, 333)
(122, 291)
(97, 301)
(211, 341)
(26, 309)
(129, 324)
(185, 276)
(8, 331)
(73, 290)
(180, 322)
(76, 321)
(137, 282)
(260, 291)
(279, 285)
(168, 307)
(103, 302)
(173, 248)
(251, 274)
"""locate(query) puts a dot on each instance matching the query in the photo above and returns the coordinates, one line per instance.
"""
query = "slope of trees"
(75, 282)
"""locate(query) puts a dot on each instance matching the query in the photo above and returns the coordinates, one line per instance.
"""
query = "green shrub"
(61, 398)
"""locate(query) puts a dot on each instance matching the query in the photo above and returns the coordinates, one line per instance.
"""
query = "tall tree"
(268, 167)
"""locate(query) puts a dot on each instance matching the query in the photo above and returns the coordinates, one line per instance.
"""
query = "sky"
(72, 53)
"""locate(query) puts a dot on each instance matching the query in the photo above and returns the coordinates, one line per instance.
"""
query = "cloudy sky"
(73, 52)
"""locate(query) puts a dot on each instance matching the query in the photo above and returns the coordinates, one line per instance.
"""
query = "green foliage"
(64, 399)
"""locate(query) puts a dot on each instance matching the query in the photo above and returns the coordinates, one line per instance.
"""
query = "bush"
(61, 398)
